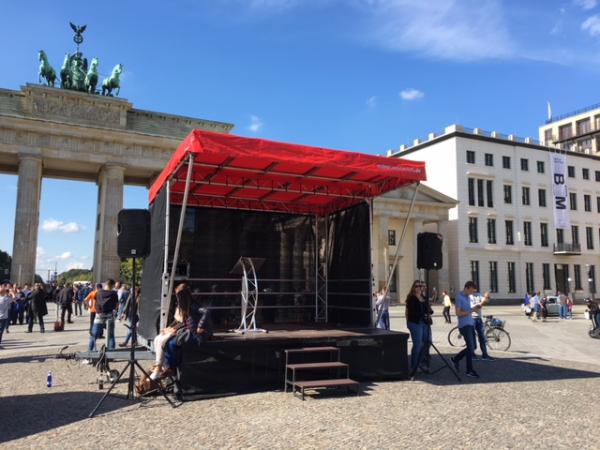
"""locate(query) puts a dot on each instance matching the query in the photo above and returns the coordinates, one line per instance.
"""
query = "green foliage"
(75, 275)
(127, 271)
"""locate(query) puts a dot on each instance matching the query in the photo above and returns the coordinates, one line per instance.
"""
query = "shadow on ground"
(25, 415)
(504, 370)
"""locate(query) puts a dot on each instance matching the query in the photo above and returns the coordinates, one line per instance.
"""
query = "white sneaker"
(155, 376)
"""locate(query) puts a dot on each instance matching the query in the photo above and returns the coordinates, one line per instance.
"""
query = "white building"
(502, 234)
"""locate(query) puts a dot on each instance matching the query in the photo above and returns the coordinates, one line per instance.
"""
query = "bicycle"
(496, 336)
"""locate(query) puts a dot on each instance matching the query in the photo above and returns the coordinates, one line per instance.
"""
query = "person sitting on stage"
(192, 326)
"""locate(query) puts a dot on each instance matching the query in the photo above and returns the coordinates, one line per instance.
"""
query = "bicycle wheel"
(455, 339)
(498, 339)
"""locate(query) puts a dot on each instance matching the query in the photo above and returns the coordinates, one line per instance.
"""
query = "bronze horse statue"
(113, 82)
(91, 78)
(46, 71)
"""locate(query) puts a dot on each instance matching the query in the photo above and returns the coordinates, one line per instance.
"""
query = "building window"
(584, 126)
(491, 230)
(391, 237)
(508, 195)
(540, 166)
(560, 236)
(598, 204)
(585, 173)
(489, 159)
(394, 278)
(524, 164)
(473, 230)
(512, 285)
(587, 202)
(542, 197)
(548, 136)
(527, 233)
(571, 171)
(493, 276)
(506, 162)
(597, 175)
(584, 145)
(574, 234)
(592, 279)
(565, 132)
(475, 272)
(573, 201)
(525, 196)
(472, 192)
(510, 240)
(589, 238)
(544, 234)
(529, 277)
(489, 187)
(577, 273)
(546, 275)
(480, 199)
(470, 157)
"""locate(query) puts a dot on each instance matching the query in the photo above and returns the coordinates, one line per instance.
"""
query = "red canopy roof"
(244, 173)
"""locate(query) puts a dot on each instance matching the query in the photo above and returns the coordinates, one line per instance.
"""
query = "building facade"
(502, 233)
(577, 131)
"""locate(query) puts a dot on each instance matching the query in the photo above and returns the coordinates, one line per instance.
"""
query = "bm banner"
(558, 168)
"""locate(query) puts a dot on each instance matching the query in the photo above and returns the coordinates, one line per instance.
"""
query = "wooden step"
(320, 365)
(333, 382)
(312, 349)
(330, 383)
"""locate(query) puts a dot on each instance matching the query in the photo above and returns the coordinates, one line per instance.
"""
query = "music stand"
(247, 267)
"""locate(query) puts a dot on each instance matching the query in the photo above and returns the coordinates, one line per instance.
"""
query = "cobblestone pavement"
(521, 401)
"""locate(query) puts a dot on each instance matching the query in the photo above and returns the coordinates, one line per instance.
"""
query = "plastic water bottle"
(49, 380)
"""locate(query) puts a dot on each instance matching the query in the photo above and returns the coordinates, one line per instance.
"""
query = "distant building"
(577, 131)
(502, 233)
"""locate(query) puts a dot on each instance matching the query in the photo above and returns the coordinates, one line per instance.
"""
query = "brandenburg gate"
(60, 133)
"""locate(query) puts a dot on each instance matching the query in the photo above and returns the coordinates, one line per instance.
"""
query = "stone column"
(382, 249)
(110, 201)
(27, 218)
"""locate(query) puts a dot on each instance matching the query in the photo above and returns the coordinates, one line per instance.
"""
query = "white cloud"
(51, 225)
(65, 255)
(75, 265)
(371, 102)
(447, 29)
(586, 4)
(40, 252)
(256, 124)
(411, 94)
(71, 227)
(592, 25)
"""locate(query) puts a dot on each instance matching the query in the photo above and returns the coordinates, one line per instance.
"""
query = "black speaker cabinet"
(429, 251)
(133, 238)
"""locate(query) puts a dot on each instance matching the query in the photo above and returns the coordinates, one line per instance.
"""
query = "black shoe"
(487, 358)
(455, 363)
(472, 374)
(28, 331)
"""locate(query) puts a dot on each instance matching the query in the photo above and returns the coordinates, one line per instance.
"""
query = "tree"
(5, 261)
(75, 275)
(127, 271)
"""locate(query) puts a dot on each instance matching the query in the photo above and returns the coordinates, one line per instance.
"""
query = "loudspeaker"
(429, 251)
(133, 237)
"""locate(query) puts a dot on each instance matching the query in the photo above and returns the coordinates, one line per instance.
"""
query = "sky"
(361, 75)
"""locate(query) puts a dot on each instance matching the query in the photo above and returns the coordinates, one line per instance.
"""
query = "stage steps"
(334, 363)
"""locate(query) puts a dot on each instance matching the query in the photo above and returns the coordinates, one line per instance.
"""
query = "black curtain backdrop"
(213, 240)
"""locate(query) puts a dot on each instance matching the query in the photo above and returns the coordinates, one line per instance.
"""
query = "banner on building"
(558, 171)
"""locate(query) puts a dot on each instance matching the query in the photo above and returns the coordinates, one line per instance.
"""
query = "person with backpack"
(106, 305)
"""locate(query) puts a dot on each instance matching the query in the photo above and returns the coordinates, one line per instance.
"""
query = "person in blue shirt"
(464, 312)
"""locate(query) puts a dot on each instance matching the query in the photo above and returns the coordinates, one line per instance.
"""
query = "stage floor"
(237, 363)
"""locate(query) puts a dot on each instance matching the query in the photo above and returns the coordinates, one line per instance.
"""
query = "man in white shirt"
(5, 302)
(478, 299)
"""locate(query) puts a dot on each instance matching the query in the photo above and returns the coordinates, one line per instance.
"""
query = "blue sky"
(365, 75)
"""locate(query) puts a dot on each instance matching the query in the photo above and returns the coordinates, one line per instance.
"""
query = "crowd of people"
(27, 305)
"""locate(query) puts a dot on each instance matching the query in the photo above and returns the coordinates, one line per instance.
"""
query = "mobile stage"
(276, 239)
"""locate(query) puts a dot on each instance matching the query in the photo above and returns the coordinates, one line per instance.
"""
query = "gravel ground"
(521, 401)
